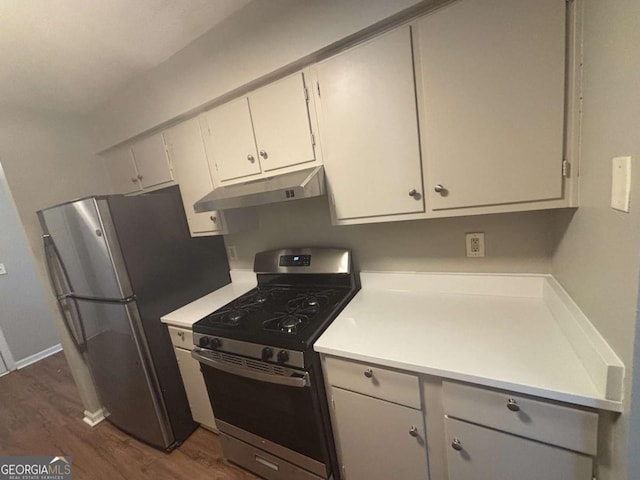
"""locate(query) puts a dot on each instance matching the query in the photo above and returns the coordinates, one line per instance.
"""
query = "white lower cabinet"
(194, 385)
(392, 424)
(495, 434)
(378, 421)
(478, 453)
(379, 440)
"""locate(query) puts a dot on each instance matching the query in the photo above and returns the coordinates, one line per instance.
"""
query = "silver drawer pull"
(181, 335)
(456, 445)
(267, 463)
(413, 431)
(368, 373)
(513, 405)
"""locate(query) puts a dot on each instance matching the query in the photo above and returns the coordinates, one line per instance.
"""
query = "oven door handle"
(291, 381)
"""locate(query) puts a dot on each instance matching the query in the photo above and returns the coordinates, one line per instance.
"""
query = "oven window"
(281, 414)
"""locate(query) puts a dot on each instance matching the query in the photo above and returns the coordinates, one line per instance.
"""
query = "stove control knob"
(203, 342)
(283, 356)
(215, 343)
(267, 353)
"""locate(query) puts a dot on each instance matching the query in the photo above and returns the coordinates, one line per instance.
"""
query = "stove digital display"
(295, 260)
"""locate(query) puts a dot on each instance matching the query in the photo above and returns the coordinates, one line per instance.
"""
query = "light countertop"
(493, 330)
(241, 282)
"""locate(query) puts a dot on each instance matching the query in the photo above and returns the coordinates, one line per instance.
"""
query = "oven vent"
(248, 363)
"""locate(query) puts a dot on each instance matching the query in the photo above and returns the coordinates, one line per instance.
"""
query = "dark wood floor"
(41, 414)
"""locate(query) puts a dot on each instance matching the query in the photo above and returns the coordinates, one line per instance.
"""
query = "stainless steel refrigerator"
(117, 264)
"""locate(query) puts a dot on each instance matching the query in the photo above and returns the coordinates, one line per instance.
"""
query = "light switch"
(3, 270)
(621, 183)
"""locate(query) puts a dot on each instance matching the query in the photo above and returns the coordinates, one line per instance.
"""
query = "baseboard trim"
(25, 362)
(93, 418)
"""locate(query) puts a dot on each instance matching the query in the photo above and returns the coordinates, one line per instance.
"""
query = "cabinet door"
(490, 454)
(281, 123)
(375, 440)
(196, 390)
(151, 161)
(369, 128)
(231, 146)
(493, 82)
(122, 171)
(191, 171)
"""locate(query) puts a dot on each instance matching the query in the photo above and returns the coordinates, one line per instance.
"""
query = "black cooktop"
(280, 316)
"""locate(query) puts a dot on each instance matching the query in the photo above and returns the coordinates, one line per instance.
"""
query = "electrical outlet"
(231, 253)
(475, 244)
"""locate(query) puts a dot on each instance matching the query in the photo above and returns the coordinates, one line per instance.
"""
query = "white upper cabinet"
(150, 157)
(369, 129)
(232, 147)
(140, 166)
(492, 88)
(281, 124)
(267, 130)
(122, 171)
(191, 171)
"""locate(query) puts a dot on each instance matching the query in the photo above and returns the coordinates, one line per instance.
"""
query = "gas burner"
(286, 322)
(309, 302)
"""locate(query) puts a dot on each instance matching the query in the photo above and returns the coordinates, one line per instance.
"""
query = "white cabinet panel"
(122, 171)
(191, 171)
(493, 85)
(281, 123)
(375, 440)
(369, 128)
(196, 389)
(231, 146)
(151, 161)
(489, 454)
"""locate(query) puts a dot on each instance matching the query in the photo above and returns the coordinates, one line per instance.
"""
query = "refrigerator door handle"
(58, 278)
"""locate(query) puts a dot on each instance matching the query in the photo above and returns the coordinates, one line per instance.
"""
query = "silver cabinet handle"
(264, 154)
(251, 158)
(513, 405)
(413, 431)
(134, 180)
(368, 373)
(213, 218)
(413, 192)
(140, 177)
(456, 445)
(439, 188)
(181, 335)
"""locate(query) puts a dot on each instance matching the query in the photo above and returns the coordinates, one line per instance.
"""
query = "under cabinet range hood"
(280, 188)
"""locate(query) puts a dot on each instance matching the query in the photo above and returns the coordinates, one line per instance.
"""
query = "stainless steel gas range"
(264, 379)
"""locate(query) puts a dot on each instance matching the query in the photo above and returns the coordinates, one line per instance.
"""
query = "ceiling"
(71, 55)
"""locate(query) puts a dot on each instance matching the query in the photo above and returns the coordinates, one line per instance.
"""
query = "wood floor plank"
(41, 414)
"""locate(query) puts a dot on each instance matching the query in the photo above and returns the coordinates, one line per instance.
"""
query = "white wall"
(517, 242)
(598, 254)
(47, 159)
(25, 318)
(257, 40)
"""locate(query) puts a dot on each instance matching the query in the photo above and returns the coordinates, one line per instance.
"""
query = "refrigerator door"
(87, 247)
(62, 290)
(122, 370)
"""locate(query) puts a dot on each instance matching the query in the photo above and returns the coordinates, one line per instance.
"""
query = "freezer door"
(121, 367)
(88, 249)
(62, 291)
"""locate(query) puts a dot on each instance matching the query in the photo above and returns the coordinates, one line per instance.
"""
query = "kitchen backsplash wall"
(516, 242)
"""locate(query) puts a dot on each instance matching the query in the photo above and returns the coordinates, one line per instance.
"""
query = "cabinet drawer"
(567, 427)
(374, 381)
(482, 453)
(181, 337)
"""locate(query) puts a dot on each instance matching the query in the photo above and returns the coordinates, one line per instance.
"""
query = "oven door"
(275, 403)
